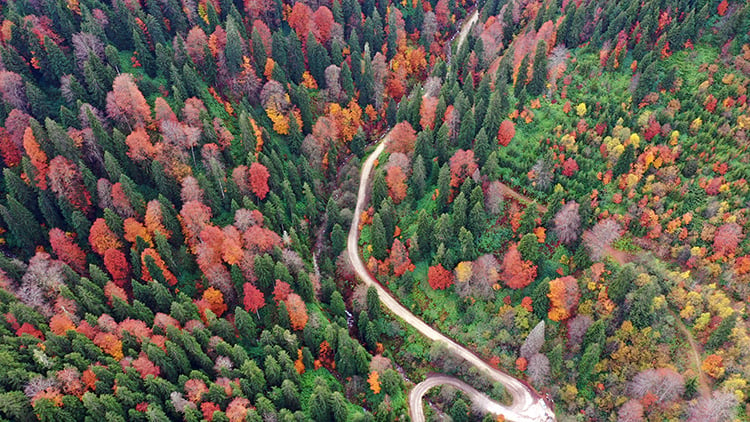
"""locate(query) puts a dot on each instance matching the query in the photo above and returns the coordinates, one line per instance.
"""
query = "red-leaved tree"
(259, 180)
(399, 259)
(506, 132)
(253, 299)
(570, 166)
(727, 238)
(323, 19)
(281, 291)
(462, 165)
(439, 278)
(517, 273)
(68, 251)
(117, 264)
(10, 151)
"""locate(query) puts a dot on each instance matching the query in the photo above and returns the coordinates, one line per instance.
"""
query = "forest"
(563, 192)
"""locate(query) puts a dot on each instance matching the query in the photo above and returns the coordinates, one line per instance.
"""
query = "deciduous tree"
(462, 165)
(118, 266)
(37, 156)
(67, 250)
(727, 238)
(297, 311)
(567, 223)
(506, 132)
(563, 295)
(66, 181)
(402, 138)
(517, 273)
(601, 236)
(253, 299)
(126, 104)
(665, 384)
(396, 180)
(102, 238)
(259, 180)
(439, 278)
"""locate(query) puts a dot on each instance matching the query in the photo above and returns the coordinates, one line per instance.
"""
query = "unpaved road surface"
(526, 406)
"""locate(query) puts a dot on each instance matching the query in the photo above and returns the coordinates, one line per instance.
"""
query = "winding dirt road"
(527, 405)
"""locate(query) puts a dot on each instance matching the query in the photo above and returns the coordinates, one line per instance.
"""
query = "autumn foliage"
(102, 238)
(297, 311)
(259, 180)
(439, 278)
(462, 165)
(37, 156)
(396, 180)
(506, 133)
(67, 250)
(118, 266)
(563, 296)
(253, 298)
(517, 273)
(402, 138)
(374, 382)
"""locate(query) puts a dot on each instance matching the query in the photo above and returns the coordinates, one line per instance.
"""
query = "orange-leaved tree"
(374, 382)
(297, 311)
(37, 157)
(563, 296)
(517, 273)
(102, 238)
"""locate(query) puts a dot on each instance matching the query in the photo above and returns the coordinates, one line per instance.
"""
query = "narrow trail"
(704, 389)
(623, 257)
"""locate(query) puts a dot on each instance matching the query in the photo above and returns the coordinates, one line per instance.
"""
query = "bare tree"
(85, 45)
(568, 223)
(534, 341)
(600, 237)
(538, 369)
(664, 383)
(631, 411)
(493, 198)
(719, 407)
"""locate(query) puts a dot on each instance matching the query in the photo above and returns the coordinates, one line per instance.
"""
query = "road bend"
(527, 405)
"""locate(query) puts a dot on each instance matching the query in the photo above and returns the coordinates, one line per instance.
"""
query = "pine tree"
(317, 59)
(538, 81)
(234, 48)
(378, 238)
(58, 61)
(24, 227)
(295, 61)
(467, 130)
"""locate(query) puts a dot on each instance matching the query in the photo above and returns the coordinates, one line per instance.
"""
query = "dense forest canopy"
(564, 192)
